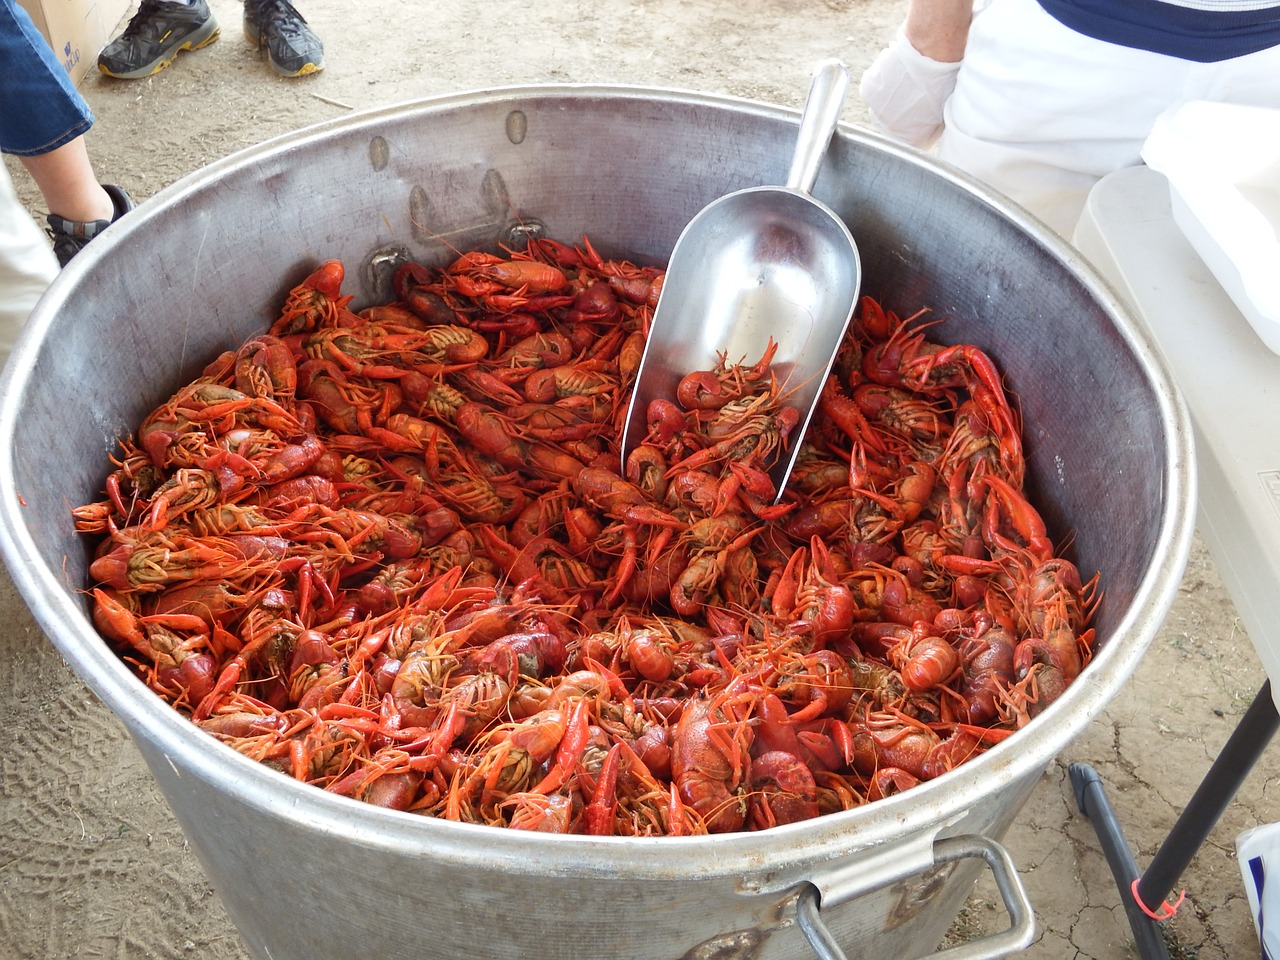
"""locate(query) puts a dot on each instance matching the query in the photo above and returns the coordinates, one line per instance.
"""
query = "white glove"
(904, 91)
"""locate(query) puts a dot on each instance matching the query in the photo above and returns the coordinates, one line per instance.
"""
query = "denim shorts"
(40, 108)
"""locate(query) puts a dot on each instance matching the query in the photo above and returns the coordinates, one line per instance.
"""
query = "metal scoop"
(764, 264)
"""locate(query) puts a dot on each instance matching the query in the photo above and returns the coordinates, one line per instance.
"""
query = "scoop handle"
(822, 106)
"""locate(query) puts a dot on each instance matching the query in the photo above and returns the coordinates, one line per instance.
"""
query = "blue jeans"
(40, 108)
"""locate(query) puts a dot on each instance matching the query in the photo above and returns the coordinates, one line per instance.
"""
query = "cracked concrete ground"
(92, 863)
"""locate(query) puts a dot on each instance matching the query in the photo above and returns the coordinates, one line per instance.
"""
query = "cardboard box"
(77, 29)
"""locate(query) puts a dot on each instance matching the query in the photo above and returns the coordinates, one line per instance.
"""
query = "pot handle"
(1022, 922)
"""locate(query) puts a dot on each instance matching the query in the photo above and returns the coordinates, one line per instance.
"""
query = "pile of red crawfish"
(394, 554)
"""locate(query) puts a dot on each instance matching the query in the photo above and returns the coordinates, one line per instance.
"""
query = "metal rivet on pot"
(517, 126)
(421, 213)
(379, 153)
(497, 199)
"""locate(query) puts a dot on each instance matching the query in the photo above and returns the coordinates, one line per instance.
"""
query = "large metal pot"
(205, 264)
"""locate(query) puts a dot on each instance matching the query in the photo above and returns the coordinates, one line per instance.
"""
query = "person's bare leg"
(66, 179)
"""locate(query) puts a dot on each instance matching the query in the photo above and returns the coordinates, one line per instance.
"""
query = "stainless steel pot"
(205, 264)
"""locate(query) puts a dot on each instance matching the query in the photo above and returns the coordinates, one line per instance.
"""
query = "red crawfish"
(711, 760)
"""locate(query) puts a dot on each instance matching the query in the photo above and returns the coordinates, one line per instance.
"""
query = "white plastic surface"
(1223, 165)
(1258, 853)
(1231, 386)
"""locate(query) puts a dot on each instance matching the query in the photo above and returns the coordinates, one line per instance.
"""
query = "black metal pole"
(1092, 800)
(1216, 791)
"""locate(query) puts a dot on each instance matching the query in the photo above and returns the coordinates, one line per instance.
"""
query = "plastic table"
(1231, 384)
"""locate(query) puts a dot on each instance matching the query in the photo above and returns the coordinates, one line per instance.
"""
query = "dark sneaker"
(276, 27)
(70, 236)
(154, 37)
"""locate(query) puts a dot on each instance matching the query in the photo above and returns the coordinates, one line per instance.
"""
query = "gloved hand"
(905, 92)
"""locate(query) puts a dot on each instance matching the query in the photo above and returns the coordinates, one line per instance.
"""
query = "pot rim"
(189, 751)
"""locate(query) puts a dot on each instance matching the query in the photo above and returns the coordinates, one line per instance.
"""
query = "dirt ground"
(92, 863)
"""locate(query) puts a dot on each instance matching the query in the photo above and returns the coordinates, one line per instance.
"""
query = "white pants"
(1040, 112)
(27, 264)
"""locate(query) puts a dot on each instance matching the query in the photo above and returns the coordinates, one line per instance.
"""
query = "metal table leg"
(1241, 751)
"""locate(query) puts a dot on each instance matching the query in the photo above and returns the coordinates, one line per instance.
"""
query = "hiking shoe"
(154, 37)
(70, 236)
(276, 27)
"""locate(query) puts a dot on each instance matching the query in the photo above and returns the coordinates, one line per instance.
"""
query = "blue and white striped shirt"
(1205, 31)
